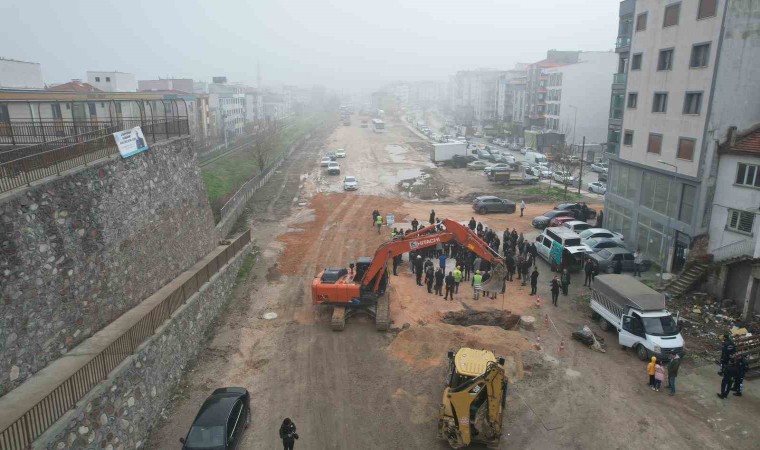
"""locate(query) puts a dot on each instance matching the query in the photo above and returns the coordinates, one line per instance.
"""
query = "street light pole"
(575, 122)
(670, 239)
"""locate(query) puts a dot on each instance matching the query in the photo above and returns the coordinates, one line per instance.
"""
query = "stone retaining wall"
(119, 413)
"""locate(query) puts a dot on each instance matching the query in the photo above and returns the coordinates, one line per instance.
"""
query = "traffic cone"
(538, 302)
(546, 319)
(538, 343)
(562, 346)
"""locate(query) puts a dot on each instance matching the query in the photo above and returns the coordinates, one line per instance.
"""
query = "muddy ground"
(361, 389)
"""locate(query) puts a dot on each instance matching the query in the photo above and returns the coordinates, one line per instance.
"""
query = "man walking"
(375, 213)
(743, 365)
(418, 269)
(442, 262)
(457, 274)
(450, 286)
(565, 281)
(429, 278)
(673, 366)
(727, 350)
(439, 277)
(637, 260)
(522, 207)
(730, 373)
(477, 281)
(588, 269)
(379, 222)
(555, 290)
(534, 281)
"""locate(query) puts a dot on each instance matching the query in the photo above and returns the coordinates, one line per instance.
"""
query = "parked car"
(488, 204)
(597, 187)
(542, 221)
(590, 212)
(477, 165)
(350, 183)
(220, 423)
(597, 244)
(601, 233)
(602, 177)
(577, 225)
(325, 161)
(538, 171)
(563, 177)
(599, 167)
(605, 259)
(462, 160)
(484, 154)
(332, 156)
(340, 153)
(559, 221)
(333, 168)
(498, 167)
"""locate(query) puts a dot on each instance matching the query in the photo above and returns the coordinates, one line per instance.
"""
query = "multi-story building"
(20, 74)
(693, 73)
(167, 84)
(112, 81)
(254, 105)
(535, 86)
(474, 95)
(227, 108)
(617, 99)
(580, 91)
(505, 94)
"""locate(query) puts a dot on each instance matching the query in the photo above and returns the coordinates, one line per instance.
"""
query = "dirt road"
(360, 389)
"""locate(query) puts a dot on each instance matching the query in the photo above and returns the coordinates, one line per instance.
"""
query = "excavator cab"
(474, 399)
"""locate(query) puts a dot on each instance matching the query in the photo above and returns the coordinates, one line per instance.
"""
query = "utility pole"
(580, 175)
(664, 255)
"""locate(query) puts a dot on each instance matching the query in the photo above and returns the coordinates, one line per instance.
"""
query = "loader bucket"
(496, 281)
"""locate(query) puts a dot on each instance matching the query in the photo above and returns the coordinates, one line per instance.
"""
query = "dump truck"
(474, 399)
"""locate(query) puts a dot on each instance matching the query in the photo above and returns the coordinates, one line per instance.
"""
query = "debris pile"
(591, 339)
(491, 317)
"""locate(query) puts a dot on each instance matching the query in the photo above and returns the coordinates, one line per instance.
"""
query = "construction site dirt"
(364, 389)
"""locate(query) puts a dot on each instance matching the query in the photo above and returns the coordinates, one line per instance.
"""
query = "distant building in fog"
(20, 75)
(112, 81)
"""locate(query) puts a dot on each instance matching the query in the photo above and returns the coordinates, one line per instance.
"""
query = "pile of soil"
(491, 317)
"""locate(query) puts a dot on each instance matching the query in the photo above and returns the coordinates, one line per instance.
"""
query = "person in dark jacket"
(432, 216)
(565, 281)
(741, 371)
(617, 267)
(511, 265)
(449, 280)
(673, 366)
(600, 219)
(588, 269)
(730, 373)
(396, 262)
(415, 224)
(727, 350)
(429, 278)
(525, 271)
(375, 213)
(418, 269)
(534, 281)
(472, 224)
(439, 276)
(555, 290)
(288, 433)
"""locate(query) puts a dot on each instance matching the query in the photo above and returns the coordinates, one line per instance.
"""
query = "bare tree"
(264, 141)
(563, 162)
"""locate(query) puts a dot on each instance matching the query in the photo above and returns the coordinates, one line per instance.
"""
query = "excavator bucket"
(496, 281)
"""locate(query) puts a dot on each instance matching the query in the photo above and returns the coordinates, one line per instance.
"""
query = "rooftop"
(74, 86)
(744, 142)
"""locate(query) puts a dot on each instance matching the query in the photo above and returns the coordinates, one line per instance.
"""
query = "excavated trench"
(469, 317)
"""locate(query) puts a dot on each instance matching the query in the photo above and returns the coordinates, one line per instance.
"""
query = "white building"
(506, 91)
(474, 95)
(112, 81)
(20, 75)
(167, 84)
(227, 108)
(254, 105)
(578, 97)
(692, 74)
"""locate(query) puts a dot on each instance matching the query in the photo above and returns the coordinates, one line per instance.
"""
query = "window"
(108, 78)
(655, 143)
(91, 107)
(97, 79)
(686, 148)
(4, 116)
(671, 15)
(56, 110)
(660, 103)
(641, 22)
(687, 203)
(665, 61)
(741, 221)
(692, 103)
(748, 175)
(700, 56)
(636, 62)
(707, 8)
(628, 138)
(633, 99)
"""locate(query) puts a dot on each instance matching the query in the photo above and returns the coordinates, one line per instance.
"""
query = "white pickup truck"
(638, 314)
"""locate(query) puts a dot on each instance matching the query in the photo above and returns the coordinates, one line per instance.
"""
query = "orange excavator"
(365, 290)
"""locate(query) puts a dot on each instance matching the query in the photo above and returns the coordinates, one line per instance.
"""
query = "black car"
(488, 204)
(590, 215)
(542, 222)
(460, 161)
(220, 422)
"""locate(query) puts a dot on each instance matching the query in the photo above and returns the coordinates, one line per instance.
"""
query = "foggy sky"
(342, 44)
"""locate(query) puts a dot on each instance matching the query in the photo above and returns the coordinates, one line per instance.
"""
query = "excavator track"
(383, 313)
(338, 322)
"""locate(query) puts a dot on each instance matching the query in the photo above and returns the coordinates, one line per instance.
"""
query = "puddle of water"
(401, 174)
(396, 152)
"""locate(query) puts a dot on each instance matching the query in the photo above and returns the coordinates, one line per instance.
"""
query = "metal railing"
(745, 247)
(619, 78)
(19, 429)
(21, 132)
(623, 41)
(21, 166)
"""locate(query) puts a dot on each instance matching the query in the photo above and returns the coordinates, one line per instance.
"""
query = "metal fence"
(19, 429)
(21, 166)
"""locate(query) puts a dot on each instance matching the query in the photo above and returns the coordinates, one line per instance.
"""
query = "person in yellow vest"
(457, 273)
(379, 223)
(477, 281)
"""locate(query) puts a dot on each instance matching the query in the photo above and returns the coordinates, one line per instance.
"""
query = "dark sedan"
(542, 222)
(489, 204)
(590, 214)
(220, 422)
(597, 244)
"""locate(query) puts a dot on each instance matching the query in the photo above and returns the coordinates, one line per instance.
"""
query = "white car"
(563, 177)
(333, 168)
(340, 153)
(593, 233)
(599, 167)
(325, 161)
(576, 225)
(525, 150)
(538, 171)
(350, 183)
(597, 187)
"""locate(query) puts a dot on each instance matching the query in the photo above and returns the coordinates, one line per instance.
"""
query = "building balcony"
(622, 43)
(618, 80)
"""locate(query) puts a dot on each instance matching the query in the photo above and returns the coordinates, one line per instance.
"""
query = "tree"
(264, 141)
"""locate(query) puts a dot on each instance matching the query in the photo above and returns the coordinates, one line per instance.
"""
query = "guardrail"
(745, 247)
(27, 411)
(22, 165)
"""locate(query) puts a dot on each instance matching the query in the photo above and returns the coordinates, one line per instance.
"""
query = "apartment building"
(580, 91)
(20, 74)
(535, 86)
(474, 95)
(227, 107)
(617, 100)
(167, 84)
(112, 81)
(506, 94)
(692, 75)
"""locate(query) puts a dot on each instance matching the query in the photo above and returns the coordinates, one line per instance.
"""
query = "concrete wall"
(121, 411)
(20, 75)
(79, 250)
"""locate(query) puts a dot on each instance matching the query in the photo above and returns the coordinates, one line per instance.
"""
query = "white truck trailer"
(444, 152)
(638, 314)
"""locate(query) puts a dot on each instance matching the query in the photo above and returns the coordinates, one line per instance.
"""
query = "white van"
(561, 247)
(535, 158)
